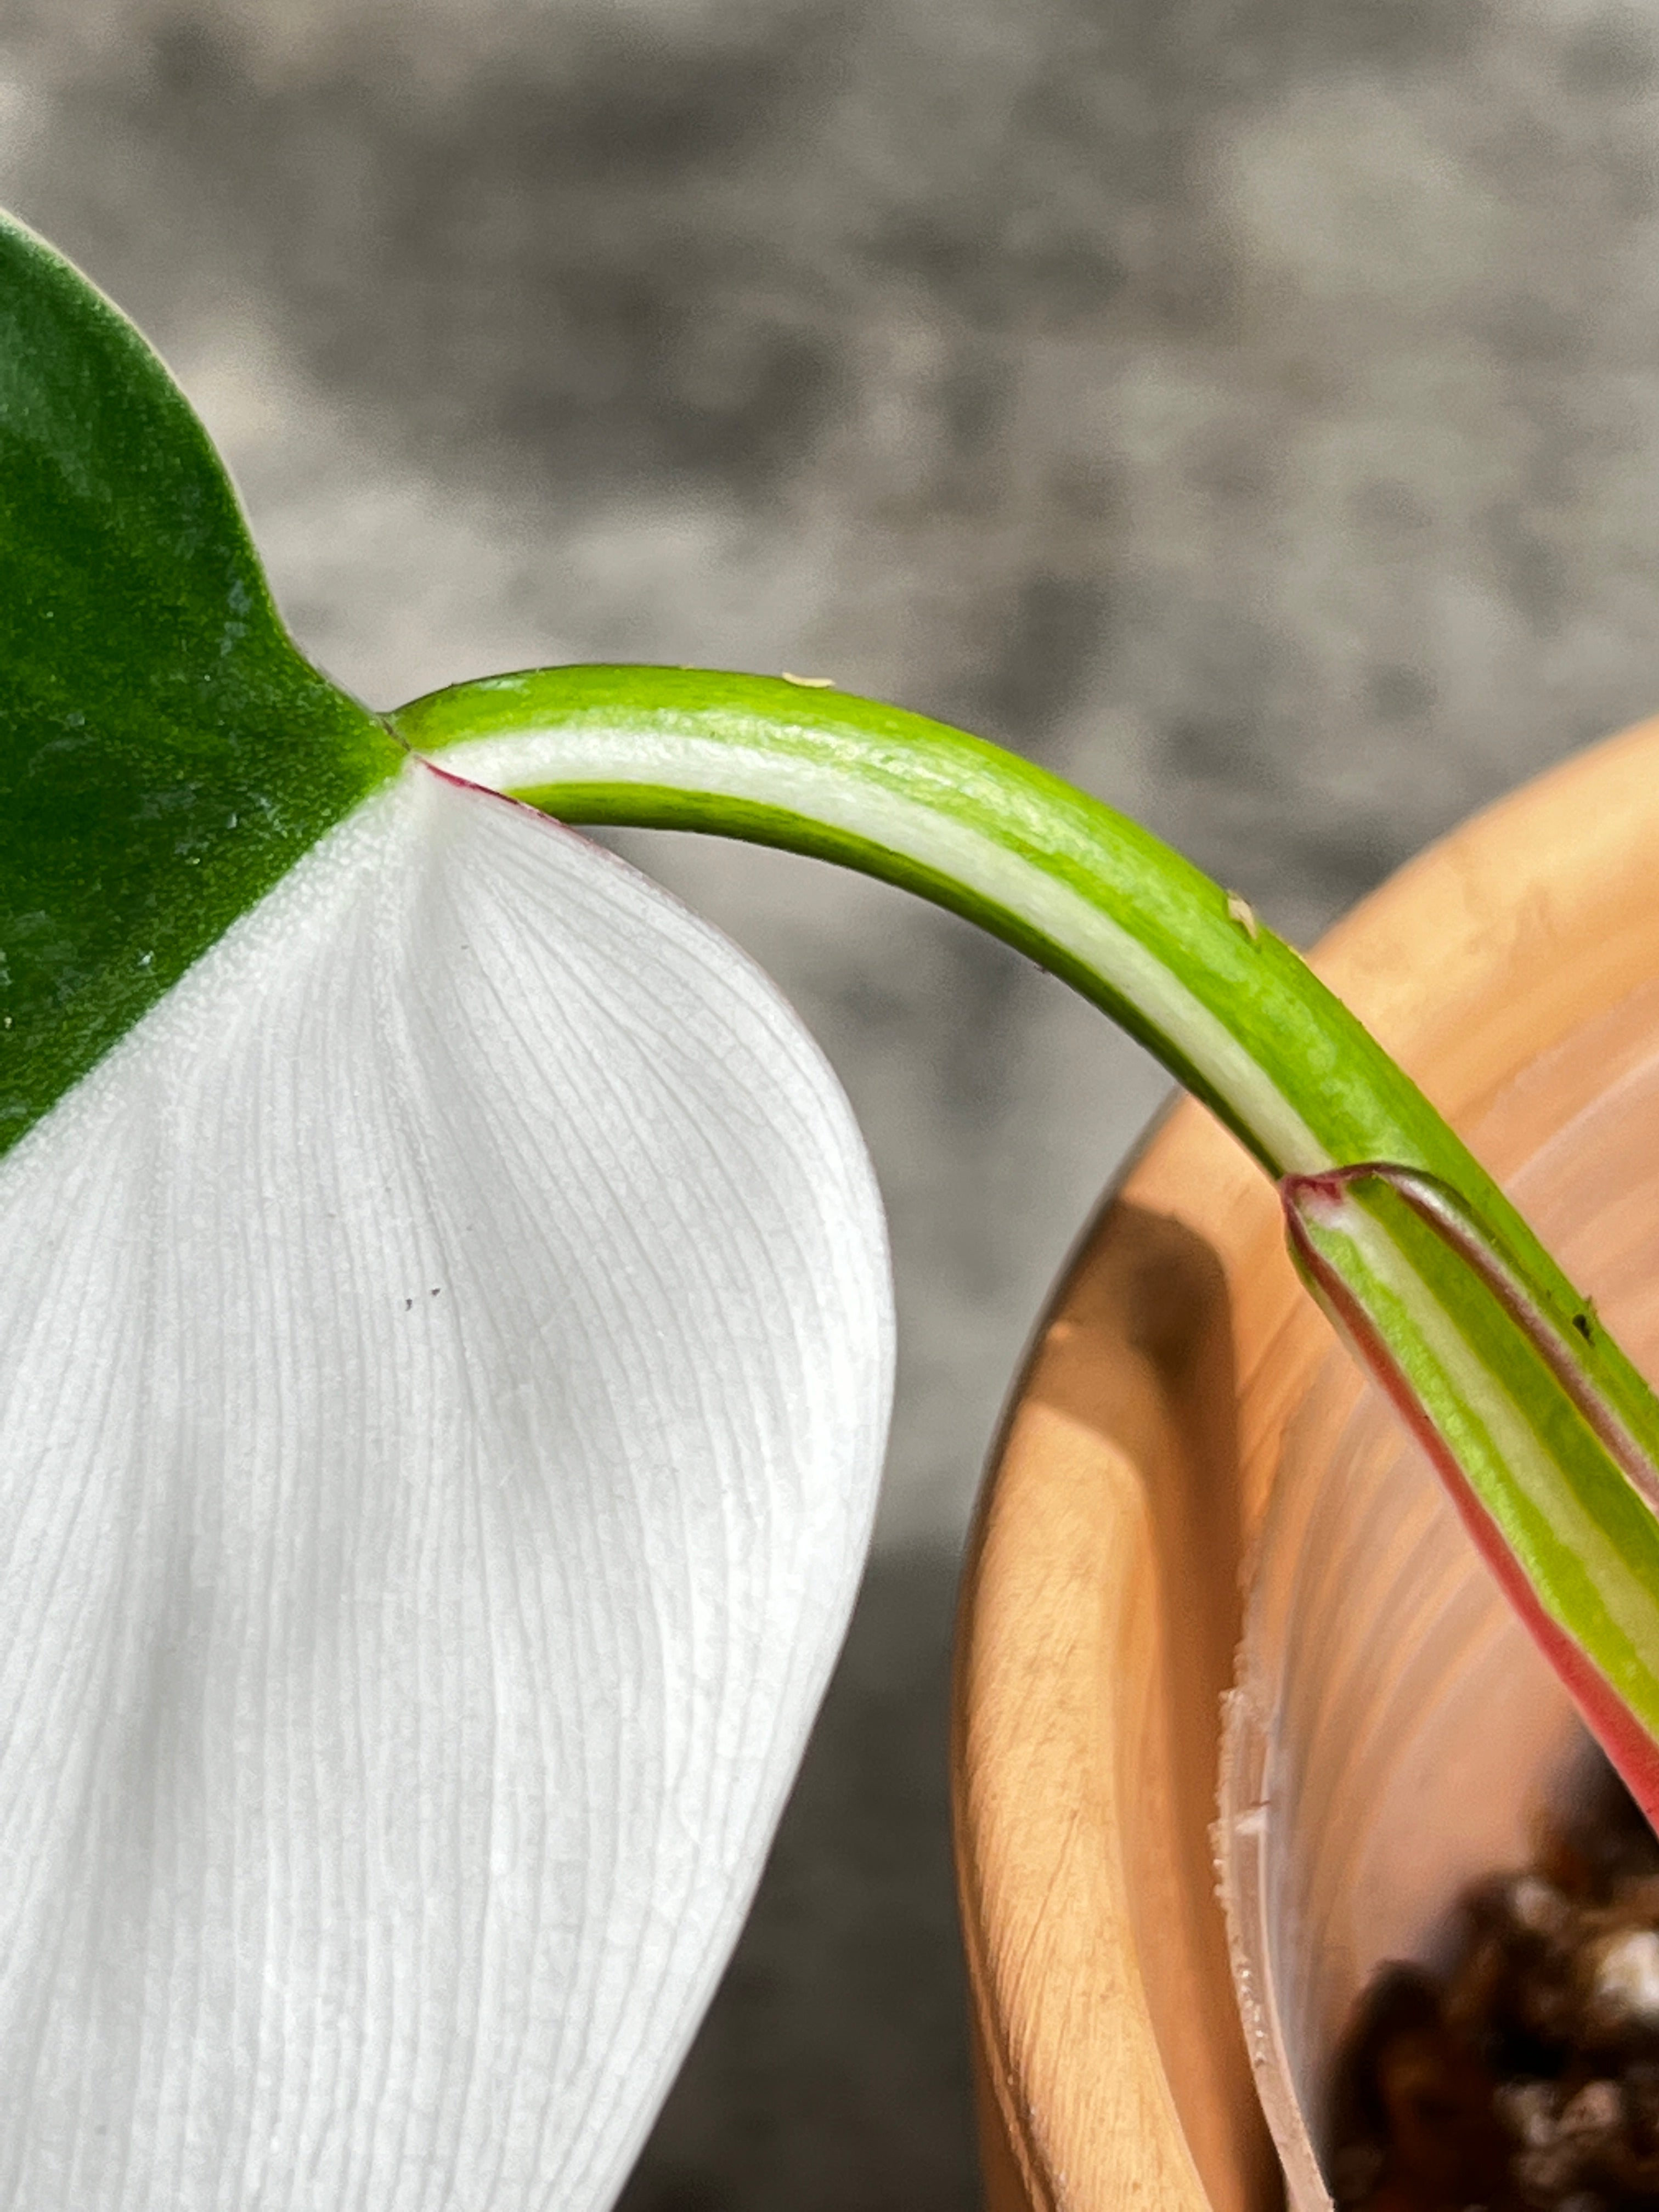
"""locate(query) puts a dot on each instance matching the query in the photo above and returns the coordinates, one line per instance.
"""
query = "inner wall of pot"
(1393, 1735)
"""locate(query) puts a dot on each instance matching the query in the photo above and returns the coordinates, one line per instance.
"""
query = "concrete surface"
(1246, 406)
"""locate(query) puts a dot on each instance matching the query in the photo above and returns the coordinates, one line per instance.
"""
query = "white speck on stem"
(1240, 911)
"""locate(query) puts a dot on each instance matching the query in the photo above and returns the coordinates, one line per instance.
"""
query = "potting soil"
(1526, 2078)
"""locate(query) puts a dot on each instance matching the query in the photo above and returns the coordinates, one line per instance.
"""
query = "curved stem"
(1230, 1009)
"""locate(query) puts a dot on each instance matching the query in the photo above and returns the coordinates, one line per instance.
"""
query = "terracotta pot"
(1181, 1380)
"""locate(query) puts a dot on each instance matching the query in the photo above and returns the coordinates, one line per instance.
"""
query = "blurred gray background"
(1248, 407)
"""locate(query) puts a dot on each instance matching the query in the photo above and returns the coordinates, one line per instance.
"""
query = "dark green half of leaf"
(166, 753)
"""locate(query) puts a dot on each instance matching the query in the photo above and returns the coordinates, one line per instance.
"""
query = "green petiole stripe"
(1081, 889)
(1230, 1009)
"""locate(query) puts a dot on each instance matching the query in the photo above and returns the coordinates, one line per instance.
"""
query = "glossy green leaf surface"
(166, 753)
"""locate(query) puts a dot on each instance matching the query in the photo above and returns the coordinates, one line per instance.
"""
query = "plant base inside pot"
(1395, 1737)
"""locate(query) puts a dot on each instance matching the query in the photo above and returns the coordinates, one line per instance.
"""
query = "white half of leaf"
(444, 1364)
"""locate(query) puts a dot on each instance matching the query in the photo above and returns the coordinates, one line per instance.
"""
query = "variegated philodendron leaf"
(445, 1343)
(445, 1338)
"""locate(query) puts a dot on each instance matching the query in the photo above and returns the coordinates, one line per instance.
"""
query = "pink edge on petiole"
(1615, 1727)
